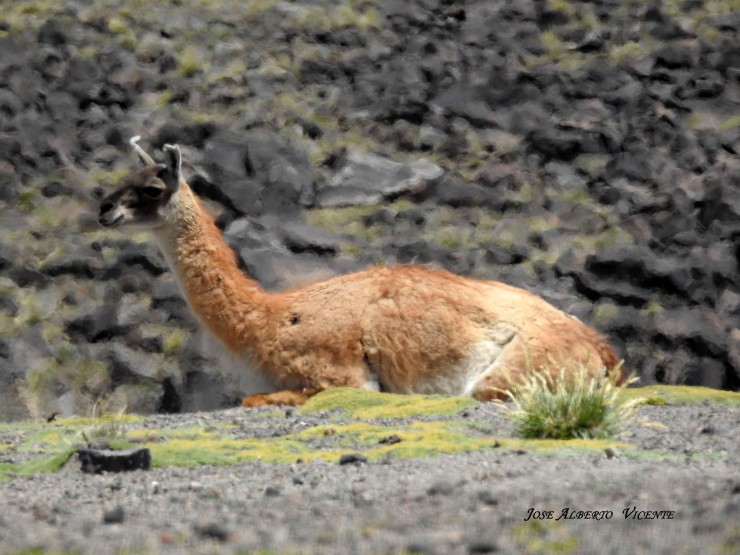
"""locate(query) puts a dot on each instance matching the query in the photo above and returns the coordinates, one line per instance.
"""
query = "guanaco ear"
(144, 158)
(173, 162)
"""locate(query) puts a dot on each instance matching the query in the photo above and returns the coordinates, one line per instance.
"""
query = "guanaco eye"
(151, 192)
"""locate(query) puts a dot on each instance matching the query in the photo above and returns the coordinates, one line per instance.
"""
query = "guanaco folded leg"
(291, 397)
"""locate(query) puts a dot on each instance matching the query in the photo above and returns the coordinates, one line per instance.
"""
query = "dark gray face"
(138, 199)
(142, 195)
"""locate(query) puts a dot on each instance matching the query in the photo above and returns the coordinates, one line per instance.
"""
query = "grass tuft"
(560, 406)
(106, 426)
(190, 62)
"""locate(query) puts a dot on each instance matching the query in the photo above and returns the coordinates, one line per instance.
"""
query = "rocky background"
(587, 151)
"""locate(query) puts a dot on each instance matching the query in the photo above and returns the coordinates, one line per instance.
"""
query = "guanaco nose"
(106, 206)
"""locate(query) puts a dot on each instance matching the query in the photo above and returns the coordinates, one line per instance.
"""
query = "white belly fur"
(238, 372)
(463, 378)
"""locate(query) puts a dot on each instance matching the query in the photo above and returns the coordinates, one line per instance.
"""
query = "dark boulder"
(300, 237)
(102, 324)
(276, 269)
(365, 178)
(256, 171)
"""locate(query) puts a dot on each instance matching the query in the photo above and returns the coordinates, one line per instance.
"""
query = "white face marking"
(114, 217)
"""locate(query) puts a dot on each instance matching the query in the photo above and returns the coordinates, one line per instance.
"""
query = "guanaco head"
(142, 195)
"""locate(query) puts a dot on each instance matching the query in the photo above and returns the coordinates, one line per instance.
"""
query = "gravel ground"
(466, 503)
(587, 151)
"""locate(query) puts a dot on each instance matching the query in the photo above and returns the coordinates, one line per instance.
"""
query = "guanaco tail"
(403, 329)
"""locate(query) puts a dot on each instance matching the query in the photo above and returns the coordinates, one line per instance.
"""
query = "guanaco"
(403, 329)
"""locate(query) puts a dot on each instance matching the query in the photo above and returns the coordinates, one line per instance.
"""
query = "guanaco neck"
(233, 307)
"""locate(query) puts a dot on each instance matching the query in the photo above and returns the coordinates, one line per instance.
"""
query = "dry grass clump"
(565, 405)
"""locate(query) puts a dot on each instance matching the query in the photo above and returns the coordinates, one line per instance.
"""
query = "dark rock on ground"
(95, 461)
(115, 515)
(213, 531)
(256, 171)
(352, 458)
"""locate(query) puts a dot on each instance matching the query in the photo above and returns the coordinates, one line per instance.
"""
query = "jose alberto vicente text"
(574, 514)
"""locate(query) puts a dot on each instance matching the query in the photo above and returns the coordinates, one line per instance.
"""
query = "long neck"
(232, 306)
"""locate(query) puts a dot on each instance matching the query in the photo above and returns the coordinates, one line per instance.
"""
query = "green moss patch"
(681, 395)
(377, 425)
(330, 442)
(564, 446)
(225, 445)
(223, 452)
(416, 439)
(369, 405)
(321, 442)
(8, 471)
(537, 536)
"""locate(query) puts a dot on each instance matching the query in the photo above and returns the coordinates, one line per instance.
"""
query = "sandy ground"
(681, 494)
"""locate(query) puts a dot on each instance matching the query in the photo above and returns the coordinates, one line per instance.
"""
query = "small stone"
(44, 512)
(441, 487)
(95, 461)
(362, 500)
(421, 547)
(271, 491)
(352, 458)
(213, 531)
(610, 452)
(390, 440)
(115, 515)
(482, 547)
(487, 498)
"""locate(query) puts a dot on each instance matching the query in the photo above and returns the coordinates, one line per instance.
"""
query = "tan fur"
(406, 328)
